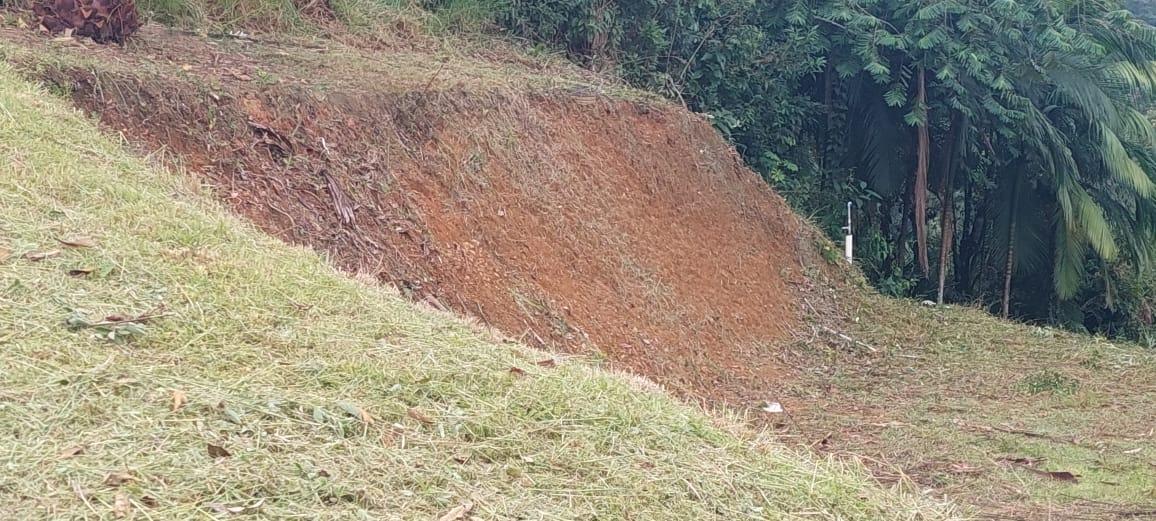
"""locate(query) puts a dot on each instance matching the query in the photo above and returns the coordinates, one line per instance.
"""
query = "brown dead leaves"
(459, 512)
(217, 451)
(71, 452)
(420, 416)
(116, 479)
(37, 256)
(78, 241)
(102, 20)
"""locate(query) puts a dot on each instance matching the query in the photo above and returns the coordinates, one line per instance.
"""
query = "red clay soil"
(569, 219)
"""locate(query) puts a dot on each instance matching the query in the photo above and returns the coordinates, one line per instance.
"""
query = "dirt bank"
(569, 214)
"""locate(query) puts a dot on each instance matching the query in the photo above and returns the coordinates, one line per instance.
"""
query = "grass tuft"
(257, 380)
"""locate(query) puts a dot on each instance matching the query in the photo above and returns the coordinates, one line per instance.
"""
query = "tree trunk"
(898, 260)
(956, 129)
(1007, 272)
(962, 261)
(947, 206)
(922, 158)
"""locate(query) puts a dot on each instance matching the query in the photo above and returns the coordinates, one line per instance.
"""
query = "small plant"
(1049, 381)
(266, 78)
(829, 253)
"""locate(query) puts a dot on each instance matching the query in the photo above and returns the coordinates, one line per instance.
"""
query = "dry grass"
(330, 397)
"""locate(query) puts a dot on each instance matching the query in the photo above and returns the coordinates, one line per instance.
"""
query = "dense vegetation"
(995, 152)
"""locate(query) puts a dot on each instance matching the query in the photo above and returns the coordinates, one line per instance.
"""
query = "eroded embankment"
(565, 217)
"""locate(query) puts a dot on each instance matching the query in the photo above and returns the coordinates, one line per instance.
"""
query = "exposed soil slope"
(247, 379)
(566, 216)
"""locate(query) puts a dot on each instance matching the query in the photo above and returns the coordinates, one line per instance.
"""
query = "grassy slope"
(277, 354)
(952, 396)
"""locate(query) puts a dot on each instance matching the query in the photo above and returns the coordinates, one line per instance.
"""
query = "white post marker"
(849, 243)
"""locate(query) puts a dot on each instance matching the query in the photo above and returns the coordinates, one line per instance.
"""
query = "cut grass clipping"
(162, 360)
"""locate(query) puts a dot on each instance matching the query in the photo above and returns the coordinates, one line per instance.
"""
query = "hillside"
(162, 360)
(572, 215)
(558, 209)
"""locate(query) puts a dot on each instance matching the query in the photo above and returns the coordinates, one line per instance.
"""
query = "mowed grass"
(985, 411)
(266, 383)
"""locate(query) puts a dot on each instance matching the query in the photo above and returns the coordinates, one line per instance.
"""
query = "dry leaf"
(117, 479)
(459, 512)
(517, 371)
(217, 452)
(37, 256)
(81, 272)
(71, 452)
(4, 254)
(420, 416)
(356, 412)
(120, 505)
(549, 362)
(1061, 475)
(179, 399)
(238, 510)
(186, 67)
(78, 241)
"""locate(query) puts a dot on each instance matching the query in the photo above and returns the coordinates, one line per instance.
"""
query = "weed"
(1049, 380)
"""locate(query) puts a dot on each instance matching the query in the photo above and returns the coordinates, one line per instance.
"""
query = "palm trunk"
(923, 157)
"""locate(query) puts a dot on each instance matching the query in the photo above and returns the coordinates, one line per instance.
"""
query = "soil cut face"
(555, 209)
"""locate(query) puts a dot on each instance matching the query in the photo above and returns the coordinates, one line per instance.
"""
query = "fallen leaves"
(101, 20)
(117, 479)
(37, 256)
(356, 412)
(217, 451)
(459, 512)
(78, 241)
(71, 452)
(81, 272)
(179, 399)
(5, 253)
(548, 363)
(239, 74)
(120, 505)
(517, 371)
(1028, 464)
(420, 416)
(1061, 475)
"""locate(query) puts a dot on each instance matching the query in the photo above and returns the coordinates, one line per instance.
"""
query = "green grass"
(274, 357)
